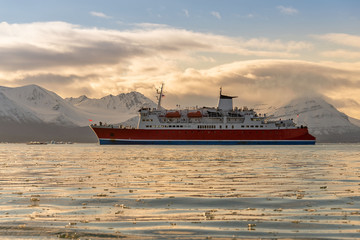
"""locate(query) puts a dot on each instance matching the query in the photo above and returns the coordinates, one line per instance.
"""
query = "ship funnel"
(225, 102)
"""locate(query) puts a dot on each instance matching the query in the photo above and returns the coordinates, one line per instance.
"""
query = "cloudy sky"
(259, 50)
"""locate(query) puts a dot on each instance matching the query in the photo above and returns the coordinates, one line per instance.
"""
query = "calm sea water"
(183, 192)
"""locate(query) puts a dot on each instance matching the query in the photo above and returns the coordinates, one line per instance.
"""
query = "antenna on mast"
(160, 96)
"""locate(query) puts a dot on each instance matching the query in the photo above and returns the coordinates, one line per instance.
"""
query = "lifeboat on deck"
(173, 114)
(196, 114)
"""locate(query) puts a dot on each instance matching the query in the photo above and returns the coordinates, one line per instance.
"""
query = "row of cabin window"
(201, 126)
(164, 126)
(207, 126)
(226, 126)
(147, 120)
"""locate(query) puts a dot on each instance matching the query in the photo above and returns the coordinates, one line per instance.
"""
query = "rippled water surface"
(184, 192)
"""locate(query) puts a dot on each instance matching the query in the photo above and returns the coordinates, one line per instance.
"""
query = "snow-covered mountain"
(323, 119)
(35, 104)
(34, 113)
(112, 109)
(11, 111)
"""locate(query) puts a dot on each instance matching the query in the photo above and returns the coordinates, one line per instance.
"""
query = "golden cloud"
(73, 60)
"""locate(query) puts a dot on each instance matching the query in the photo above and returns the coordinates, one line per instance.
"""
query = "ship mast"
(160, 96)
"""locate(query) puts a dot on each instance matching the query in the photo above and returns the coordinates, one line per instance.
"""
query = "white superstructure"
(223, 117)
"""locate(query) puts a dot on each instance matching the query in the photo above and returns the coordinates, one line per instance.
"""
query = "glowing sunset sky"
(259, 50)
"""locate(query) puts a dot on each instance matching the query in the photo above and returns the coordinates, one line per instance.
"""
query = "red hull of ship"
(151, 136)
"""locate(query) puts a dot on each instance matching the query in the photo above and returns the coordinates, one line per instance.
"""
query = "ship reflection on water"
(92, 191)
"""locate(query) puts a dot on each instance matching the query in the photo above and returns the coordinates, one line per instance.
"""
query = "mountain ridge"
(323, 120)
(33, 113)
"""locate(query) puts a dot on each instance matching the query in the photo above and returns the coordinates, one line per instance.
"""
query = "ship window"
(252, 126)
(220, 126)
(242, 126)
(261, 126)
(247, 126)
(257, 126)
(232, 126)
(226, 126)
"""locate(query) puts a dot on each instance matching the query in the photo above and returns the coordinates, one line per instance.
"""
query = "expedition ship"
(223, 125)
